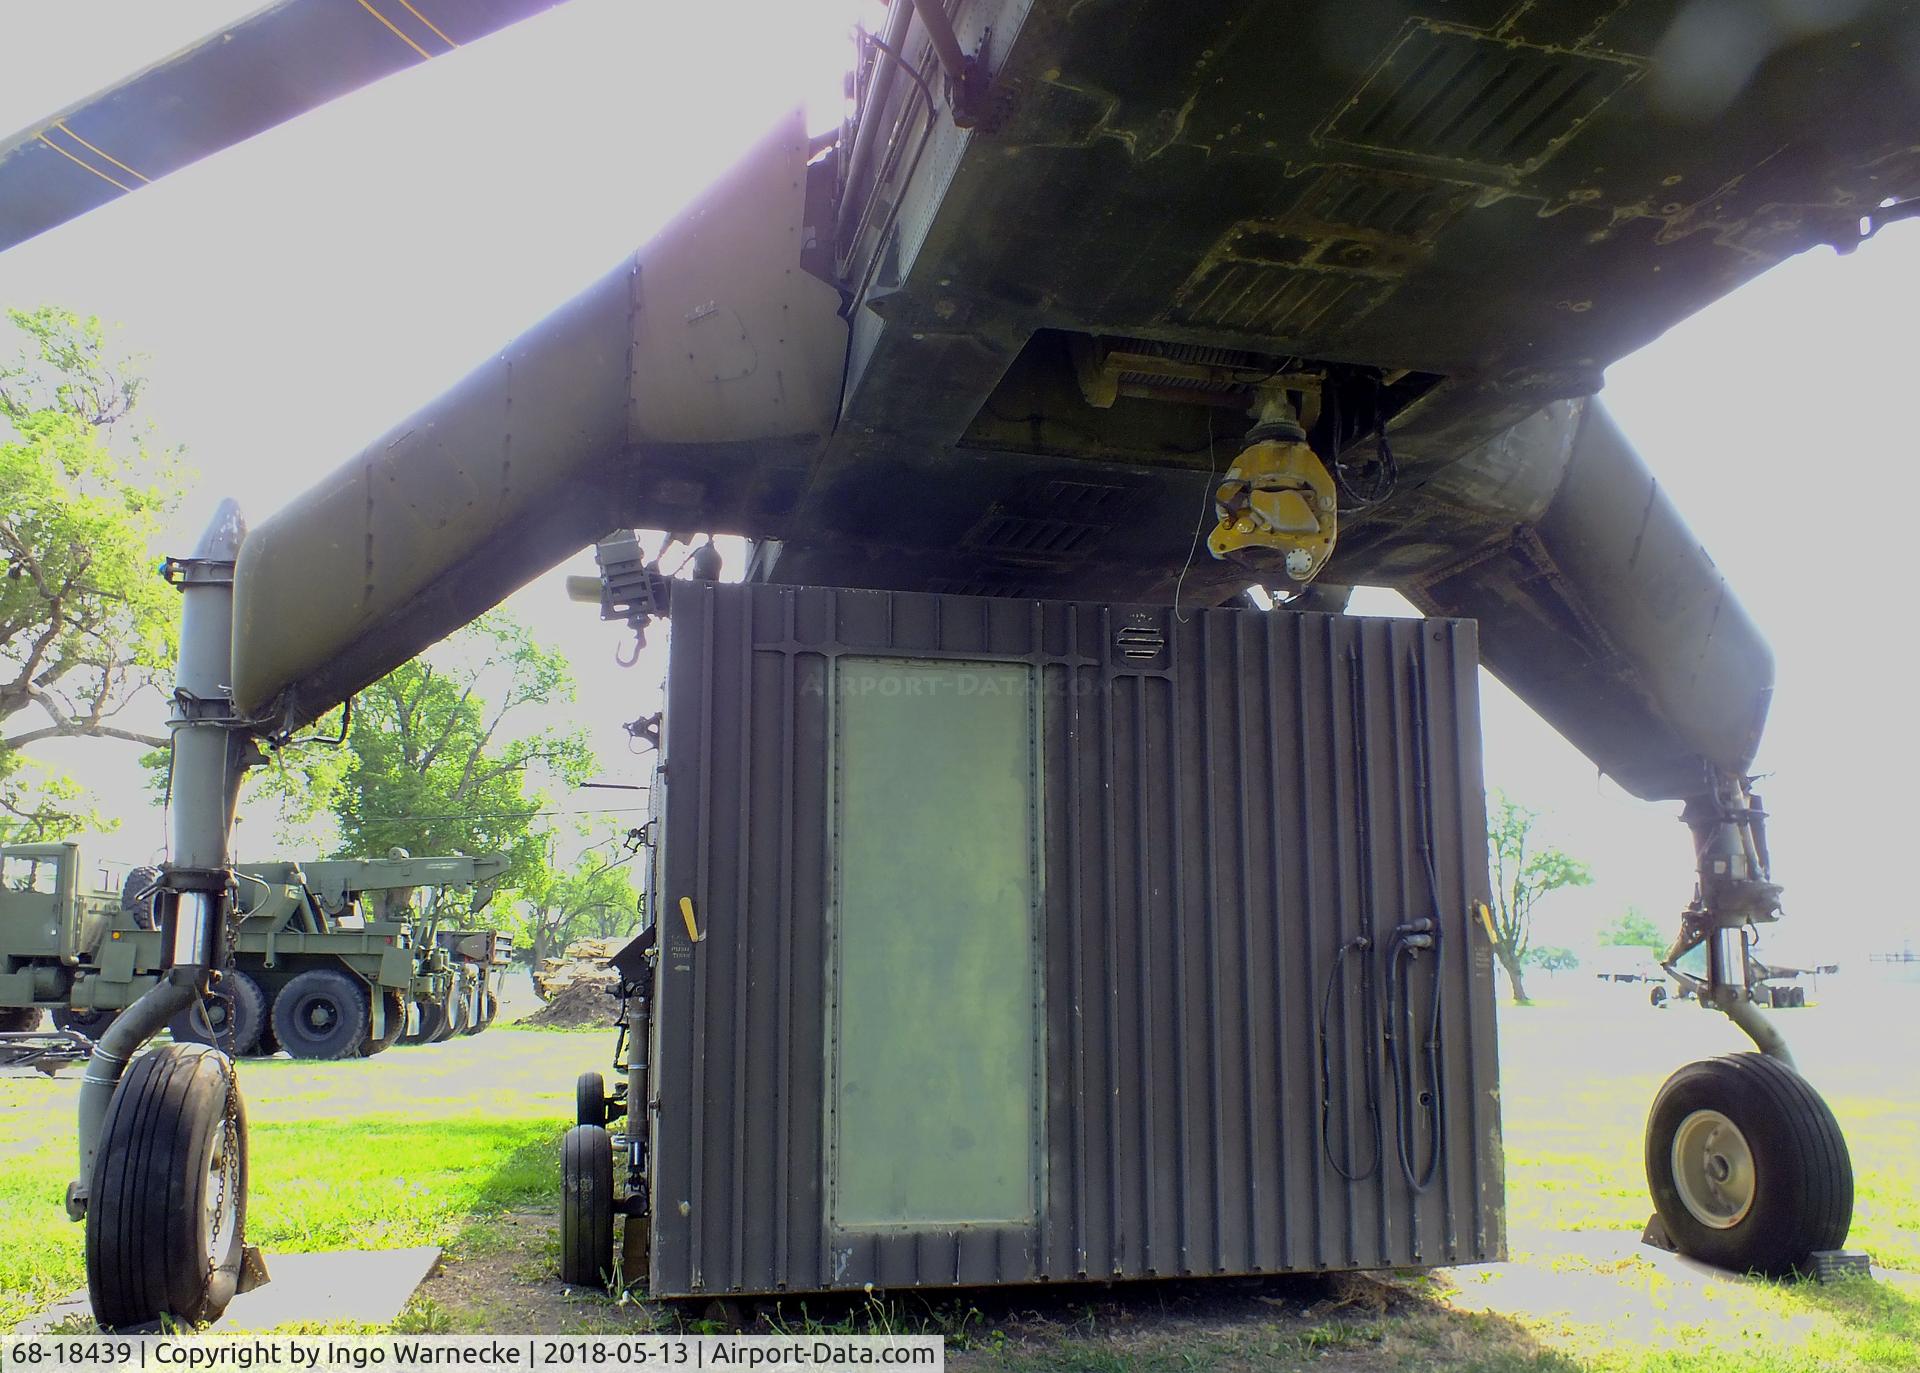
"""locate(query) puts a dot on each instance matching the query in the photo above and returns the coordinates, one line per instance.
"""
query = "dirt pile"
(583, 961)
(579, 1004)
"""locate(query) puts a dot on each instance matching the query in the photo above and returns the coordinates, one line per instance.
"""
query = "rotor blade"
(278, 62)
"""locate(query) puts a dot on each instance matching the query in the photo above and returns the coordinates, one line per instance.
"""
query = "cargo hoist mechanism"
(1277, 506)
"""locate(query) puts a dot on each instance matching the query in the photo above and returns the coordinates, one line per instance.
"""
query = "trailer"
(331, 958)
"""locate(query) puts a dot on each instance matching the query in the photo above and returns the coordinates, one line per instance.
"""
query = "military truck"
(331, 958)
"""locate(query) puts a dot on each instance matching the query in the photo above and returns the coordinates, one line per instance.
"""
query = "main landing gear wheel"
(322, 1014)
(590, 1099)
(1747, 1165)
(228, 1018)
(167, 1216)
(586, 1206)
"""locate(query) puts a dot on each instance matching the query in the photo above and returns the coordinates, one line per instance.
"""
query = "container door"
(934, 1018)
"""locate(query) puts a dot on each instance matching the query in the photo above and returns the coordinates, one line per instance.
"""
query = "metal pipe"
(879, 87)
(933, 13)
(204, 784)
(1749, 1017)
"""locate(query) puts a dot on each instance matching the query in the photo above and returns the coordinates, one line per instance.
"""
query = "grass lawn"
(423, 1145)
(456, 1145)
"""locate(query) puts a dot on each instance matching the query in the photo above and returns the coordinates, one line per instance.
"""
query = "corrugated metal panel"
(1228, 798)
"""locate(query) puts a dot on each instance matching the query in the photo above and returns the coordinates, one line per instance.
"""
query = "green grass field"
(421, 1146)
(456, 1145)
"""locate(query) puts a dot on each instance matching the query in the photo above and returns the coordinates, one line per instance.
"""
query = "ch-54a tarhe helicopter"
(1355, 269)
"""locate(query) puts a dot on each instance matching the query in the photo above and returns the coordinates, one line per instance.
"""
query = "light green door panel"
(935, 1035)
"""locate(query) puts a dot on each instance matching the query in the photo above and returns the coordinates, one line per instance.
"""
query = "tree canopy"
(1524, 870)
(1635, 931)
(85, 621)
(438, 756)
(595, 897)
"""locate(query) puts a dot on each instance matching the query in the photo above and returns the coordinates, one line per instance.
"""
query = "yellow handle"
(1479, 909)
(686, 914)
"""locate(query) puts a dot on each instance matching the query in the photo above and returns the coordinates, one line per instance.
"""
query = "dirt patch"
(582, 1004)
(511, 1282)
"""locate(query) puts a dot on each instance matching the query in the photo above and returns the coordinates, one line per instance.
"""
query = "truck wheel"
(590, 1099)
(586, 1206)
(166, 1223)
(322, 1013)
(489, 1007)
(1747, 1166)
(1658, 996)
(19, 1020)
(456, 1021)
(136, 895)
(395, 1008)
(431, 1021)
(91, 1022)
(233, 1028)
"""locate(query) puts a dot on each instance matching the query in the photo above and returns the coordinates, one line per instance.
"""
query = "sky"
(298, 294)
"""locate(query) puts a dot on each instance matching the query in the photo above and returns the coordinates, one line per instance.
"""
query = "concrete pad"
(365, 1286)
(1608, 1281)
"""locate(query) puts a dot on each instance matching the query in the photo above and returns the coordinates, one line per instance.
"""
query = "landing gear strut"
(1745, 1163)
(162, 1183)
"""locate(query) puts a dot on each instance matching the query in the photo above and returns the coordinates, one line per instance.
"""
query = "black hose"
(1413, 1108)
(1369, 1015)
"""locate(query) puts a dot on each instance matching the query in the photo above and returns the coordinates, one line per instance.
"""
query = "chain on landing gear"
(1745, 1162)
(1277, 505)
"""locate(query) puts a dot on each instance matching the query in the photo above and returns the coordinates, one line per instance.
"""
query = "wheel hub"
(221, 1213)
(1713, 1169)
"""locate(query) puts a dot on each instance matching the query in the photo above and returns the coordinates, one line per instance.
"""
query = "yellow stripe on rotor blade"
(78, 162)
(61, 125)
(396, 32)
(429, 23)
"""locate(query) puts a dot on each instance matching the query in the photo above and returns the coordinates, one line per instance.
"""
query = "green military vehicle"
(331, 958)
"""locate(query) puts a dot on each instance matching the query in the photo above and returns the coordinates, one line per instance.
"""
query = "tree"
(1634, 931)
(85, 624)
(1552, 958)
(435, 760)
(1523, 872)
(594, 897)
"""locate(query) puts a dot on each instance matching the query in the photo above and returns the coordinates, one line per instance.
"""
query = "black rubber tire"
(206, 1021)
(90, 1022)
(323, 1013)
(1803, 1176)
(489, 1007)
(394, 1005)
(590, 1099)
(428, 1027)
(456, 1021)
(19, 1020)
(1657, 997)
(147, 1247)
(136, 896)
(586, 1206)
